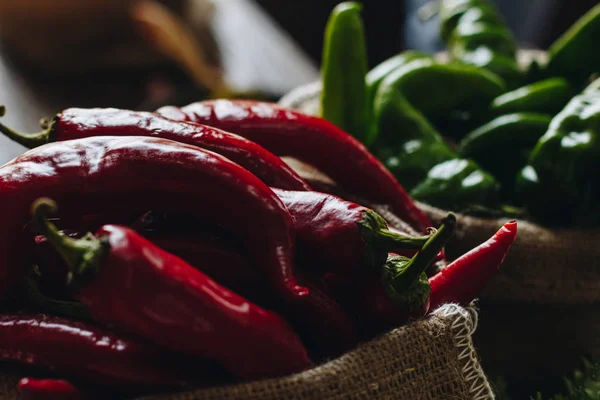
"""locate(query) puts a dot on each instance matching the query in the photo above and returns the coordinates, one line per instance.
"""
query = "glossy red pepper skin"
(95, 355)
(322, 323)
(327, 229)
(101, 174)
(142, 289)
(312, 140)
(324, 326)
(78, 123)
(330, 232)
(463, 279)
(50, 389)
(220, 260)
(334, 234)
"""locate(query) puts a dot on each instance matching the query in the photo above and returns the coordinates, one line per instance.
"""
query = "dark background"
(305, 21)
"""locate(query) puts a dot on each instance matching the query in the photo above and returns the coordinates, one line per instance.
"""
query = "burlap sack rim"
(460, 321)
(545, 265)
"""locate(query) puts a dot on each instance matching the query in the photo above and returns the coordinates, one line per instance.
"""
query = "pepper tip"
(2, 110)
(511, 225)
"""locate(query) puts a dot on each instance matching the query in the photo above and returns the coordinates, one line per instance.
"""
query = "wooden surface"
(256, 55)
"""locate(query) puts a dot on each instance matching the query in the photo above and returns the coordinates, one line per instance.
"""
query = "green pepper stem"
(388, 241)
(379, 240)
(420, 261)
(29, 140)
(83, 256)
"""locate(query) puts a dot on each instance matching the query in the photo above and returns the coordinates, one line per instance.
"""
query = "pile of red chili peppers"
(212, 260)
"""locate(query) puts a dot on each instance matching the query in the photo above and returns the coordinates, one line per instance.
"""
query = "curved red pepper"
(342, 236)
(95, 355)
(309, 139)
(49, 389)
(100, 174)
(325, 327)
(127, 282)
(462, 280)
(78, 123)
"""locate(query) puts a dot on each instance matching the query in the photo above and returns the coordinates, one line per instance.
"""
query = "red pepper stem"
(427, 255)
(83, 256)
(29, 140)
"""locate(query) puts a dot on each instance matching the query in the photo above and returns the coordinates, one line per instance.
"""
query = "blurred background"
(142, 54)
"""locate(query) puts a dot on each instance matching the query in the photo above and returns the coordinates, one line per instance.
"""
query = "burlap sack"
(432, 358)
(541, 310)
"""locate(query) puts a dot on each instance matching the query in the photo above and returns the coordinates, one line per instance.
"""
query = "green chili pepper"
(453, 97)
(437, 90)
(457, 185)
(547, 96)
(502, 146)
(377, 74)
(344, 98)
(475, 34)
(575, 54)
(563, 166)
(408, 144)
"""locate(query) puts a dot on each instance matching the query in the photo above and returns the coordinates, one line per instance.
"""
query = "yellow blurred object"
(169, 35)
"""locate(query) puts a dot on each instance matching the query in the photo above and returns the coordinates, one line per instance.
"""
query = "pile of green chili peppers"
(476, 131)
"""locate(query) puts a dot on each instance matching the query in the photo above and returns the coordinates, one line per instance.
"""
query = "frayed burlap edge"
(545, 265)
(433, 358)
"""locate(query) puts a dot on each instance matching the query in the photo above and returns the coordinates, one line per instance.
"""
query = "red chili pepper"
(342, 236)
(400, 291)
(101, 174)
(309, 139)
(49, 389)
(219, 260)
(325, 328)
(462, 280)
(94, 355)
(127, 282)
(78, 123)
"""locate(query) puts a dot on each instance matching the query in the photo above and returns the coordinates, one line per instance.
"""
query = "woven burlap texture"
(429, 359)
(545, 266)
